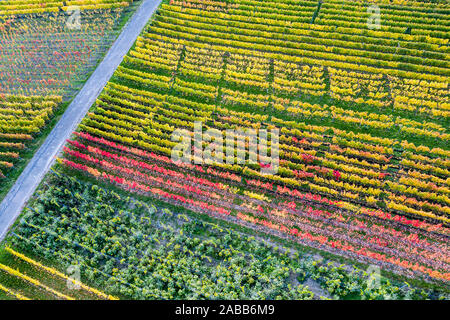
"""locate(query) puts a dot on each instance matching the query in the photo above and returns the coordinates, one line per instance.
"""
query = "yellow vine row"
(33, 281)
(13, 293)
(61, 275)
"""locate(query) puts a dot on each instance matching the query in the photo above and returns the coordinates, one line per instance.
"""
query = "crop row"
(171, 255)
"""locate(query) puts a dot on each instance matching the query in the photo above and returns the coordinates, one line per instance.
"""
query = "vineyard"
(363, 178)
(25, 7)
(51, 284)
(141, 250)
(45, 58)
(42, 55)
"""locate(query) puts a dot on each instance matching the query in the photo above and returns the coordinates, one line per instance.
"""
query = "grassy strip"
(57, 275)
(34, 281)
(44, 277)
(5, 296)
(20, 285)
(13, 293)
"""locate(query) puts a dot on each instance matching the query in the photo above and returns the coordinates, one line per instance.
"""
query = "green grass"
(5, 296)
(31, 291)
(19, 285)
